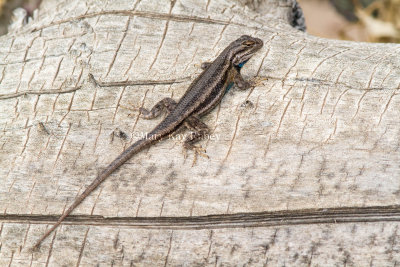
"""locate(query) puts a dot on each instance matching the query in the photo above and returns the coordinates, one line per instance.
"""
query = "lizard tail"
(121, 159)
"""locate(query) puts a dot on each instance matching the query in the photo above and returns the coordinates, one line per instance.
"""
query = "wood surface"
(303, 170)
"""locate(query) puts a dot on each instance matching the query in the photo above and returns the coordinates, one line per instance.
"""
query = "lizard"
(202, 95)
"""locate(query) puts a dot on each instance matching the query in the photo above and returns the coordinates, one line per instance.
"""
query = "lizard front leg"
(167, 104)
(242, 84)
(198, 130)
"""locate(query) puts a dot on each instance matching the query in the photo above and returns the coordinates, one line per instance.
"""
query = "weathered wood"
(315, 149)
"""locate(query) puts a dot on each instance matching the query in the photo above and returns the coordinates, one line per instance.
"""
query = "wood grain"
(303, 170)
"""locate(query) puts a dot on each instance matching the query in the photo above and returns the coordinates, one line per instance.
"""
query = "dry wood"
(303, 170)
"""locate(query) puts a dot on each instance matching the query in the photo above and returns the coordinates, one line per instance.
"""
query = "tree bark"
(303, 170)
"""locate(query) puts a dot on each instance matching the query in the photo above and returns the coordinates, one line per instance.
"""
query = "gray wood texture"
(303, 170)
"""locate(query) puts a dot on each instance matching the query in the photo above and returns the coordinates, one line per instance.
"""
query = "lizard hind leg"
(198, 130)
(166, 104)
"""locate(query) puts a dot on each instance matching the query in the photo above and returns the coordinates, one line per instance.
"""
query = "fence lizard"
(203, 94)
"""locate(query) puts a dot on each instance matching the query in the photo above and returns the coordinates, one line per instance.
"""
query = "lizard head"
(243, 49)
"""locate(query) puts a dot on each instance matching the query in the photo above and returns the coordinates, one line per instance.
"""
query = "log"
(303, 170)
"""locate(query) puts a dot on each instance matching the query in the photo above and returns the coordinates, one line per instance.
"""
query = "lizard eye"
(248, 43)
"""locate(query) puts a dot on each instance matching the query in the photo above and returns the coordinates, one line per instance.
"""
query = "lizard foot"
(131, 108)
(257, 81)
(198, 150)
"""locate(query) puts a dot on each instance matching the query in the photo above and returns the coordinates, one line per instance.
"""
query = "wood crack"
(41, 92)
(101, 84)
(236, 220)
(143, 14)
